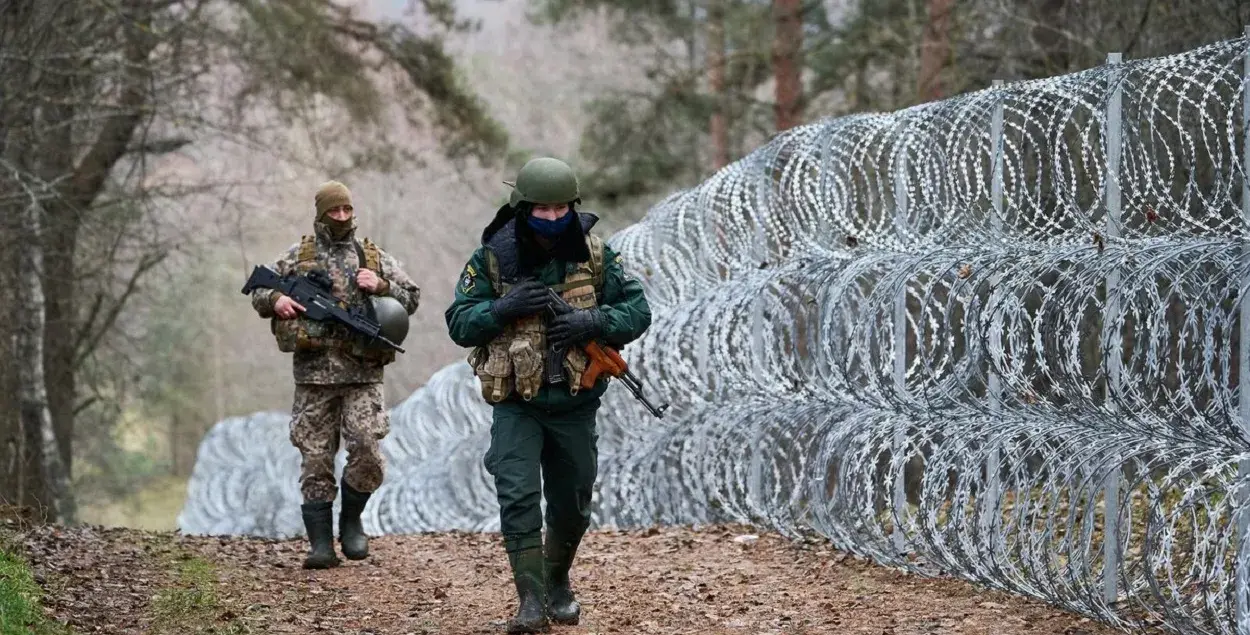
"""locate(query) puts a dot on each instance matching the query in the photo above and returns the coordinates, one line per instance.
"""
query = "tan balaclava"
(332, 194)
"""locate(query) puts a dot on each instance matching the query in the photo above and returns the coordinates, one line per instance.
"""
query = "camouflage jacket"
(339, 259)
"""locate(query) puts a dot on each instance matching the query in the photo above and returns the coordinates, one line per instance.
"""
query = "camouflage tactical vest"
(303, 334)
(514, 361)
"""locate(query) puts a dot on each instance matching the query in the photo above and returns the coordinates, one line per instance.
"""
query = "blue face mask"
(551, 228)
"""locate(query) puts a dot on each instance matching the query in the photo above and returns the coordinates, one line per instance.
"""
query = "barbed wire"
(997, 336)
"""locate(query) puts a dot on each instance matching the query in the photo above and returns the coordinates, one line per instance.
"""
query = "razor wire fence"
(997, 336)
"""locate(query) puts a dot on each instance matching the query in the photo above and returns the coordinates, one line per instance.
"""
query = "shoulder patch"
(626, 276)
(467, 279)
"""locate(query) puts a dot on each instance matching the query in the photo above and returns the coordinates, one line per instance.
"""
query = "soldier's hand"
(367, 280)
(286, 308)
(525, 299)
(575, 327)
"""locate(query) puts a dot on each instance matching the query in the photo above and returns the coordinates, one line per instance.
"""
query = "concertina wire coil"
(996, 336)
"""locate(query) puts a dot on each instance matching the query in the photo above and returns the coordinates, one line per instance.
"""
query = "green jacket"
(471, 323)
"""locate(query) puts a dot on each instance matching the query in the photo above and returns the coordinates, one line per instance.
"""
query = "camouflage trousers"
(323, 412)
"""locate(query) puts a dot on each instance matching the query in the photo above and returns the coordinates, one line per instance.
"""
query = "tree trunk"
(718, 125)
(32, 395)
(20, 480)
(61, 239)
(14, 456)
(787, 61)
(75, 196)
(60, 231)
(935, 49)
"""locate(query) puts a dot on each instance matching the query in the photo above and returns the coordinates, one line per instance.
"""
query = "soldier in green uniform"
(543, 438)
(338, 381)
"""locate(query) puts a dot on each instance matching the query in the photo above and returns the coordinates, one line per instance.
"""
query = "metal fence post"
(900, 356)
(1242, 570)
(1111, 487)
(994, 381)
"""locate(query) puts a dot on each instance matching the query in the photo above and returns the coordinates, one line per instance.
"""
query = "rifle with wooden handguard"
(603, 360)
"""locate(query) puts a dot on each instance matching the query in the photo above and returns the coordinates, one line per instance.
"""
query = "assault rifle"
(312, 291)
(603, 359)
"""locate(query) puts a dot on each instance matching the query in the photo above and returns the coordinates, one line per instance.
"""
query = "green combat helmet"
(545, 181)
(392, 317)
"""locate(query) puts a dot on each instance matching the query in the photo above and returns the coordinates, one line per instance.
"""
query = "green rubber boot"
(319, 523)
(351, 532)
(562, 606)
(527, 573)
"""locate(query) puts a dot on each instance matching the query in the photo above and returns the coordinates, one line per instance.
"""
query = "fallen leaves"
(662, 580)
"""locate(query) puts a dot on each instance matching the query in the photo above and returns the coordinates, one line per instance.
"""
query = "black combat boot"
(351, 532)
(531, 588)
(319, 522)
(561, 605)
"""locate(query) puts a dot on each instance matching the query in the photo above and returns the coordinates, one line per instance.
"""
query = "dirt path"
(669, 581)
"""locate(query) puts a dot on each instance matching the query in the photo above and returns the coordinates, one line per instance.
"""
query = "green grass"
(192, 604)
(20, 609)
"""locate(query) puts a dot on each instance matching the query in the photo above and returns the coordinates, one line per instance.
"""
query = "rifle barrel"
(631, 382)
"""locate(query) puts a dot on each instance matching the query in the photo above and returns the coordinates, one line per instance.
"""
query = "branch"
(91, 317)
(86, 403)
(1069, 35)
(465, 126)
(110, 145)
(158, 146)
(145, 264)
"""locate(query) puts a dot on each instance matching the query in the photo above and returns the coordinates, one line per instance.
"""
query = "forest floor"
(670, 580)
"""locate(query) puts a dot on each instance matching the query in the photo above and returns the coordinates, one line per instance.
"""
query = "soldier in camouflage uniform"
(543, 439)
(338, 382)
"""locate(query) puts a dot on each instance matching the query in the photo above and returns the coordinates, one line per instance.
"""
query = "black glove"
(575, 327)
(524, 299)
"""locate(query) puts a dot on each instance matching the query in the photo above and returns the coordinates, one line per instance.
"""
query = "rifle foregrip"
(601, 360)
(591, 374)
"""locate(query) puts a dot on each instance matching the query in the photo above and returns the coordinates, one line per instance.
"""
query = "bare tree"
(90, 94)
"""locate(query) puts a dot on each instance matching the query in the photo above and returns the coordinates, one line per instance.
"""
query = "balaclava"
(332, 194)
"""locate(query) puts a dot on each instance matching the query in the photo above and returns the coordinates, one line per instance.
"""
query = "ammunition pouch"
(302, 334)
(515, 361)
(575, 364)
(526, 351)
(493, 367)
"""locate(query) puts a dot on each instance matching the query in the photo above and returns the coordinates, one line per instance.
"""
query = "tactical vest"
(514, 361)
(303, 334)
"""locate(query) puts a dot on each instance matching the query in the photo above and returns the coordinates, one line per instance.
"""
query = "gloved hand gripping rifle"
(601, 359)
(313, 293)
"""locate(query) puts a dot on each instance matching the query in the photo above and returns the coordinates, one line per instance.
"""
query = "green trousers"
(535, 453)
